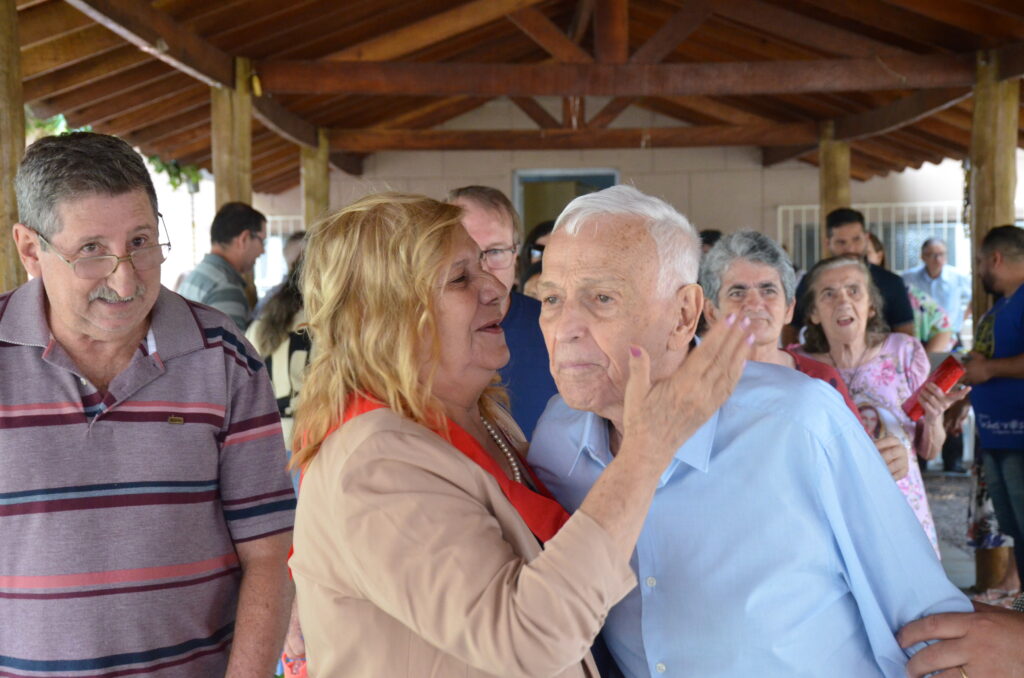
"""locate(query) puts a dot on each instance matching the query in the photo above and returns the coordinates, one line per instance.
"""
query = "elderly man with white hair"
(776, 544)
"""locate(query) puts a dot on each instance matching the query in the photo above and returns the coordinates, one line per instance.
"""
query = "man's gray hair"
(932, 241)
(62, 168)
(751, 246)
(675, 238)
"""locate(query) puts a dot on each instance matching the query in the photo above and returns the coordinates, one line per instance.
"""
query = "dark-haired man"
(236, 242)
(144, 508)
(846, 234)
(988, 641)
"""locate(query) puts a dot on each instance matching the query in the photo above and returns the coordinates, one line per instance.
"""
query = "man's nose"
(123, 280)
(569, 322)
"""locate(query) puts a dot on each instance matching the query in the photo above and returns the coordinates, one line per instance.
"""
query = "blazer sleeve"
(423, 547)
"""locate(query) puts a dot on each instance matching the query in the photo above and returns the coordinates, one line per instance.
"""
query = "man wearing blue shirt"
(776, 544)
(933, 277)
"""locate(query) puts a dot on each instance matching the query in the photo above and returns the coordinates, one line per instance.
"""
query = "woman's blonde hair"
(370, 284)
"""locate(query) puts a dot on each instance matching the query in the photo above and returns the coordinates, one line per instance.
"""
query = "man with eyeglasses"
(493, 223)
(236, 242)
(145, 511)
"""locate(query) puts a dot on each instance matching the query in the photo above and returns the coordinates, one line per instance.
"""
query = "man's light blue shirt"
(777, 543)
(951, 289)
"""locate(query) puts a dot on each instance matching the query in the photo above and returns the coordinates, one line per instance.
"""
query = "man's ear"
(689, 302)
(27, 243)
(710, 312)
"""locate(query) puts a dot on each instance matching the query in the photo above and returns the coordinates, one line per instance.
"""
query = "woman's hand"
(935, 402)
(895, 455)
(663, 415)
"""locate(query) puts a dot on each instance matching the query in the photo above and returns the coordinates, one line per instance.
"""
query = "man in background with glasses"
(493, 223)
(144, 507)
(236, 242)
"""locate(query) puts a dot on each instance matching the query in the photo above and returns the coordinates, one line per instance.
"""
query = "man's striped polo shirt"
(119, 513)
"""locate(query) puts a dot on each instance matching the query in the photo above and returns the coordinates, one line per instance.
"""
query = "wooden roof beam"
(48, 21)
(899, 113)
(58, 54)
(371, 140)
(611, 31)
(431, 30)
(536, 112)
(555, 79)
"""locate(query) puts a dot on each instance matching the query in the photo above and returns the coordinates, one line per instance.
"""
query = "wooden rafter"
(899, 113)
(541, 30)
(475, 79)
(532, 108)
(611, 31)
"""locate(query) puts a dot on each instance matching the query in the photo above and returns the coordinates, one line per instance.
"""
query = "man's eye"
(604, 298)
(89, 248)
(736, 294)
(549, 300)
(138, 242)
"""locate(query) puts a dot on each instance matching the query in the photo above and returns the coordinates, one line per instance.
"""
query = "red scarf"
(541, 513)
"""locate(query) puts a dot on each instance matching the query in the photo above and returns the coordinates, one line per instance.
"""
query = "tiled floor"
(948, 495)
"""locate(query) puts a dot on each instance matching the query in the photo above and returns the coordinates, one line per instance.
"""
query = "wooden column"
(12, 142)
(833, 177)
(315, 180)
(231, 132)
(993, 158)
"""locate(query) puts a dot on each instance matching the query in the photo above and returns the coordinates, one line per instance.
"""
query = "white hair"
(675, 239)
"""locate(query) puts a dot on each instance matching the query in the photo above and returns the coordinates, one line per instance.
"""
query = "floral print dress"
(878, 388)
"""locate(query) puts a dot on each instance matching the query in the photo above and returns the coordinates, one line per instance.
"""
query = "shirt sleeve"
(916, 362)
(256, 491)
(886, 558)
(430, 554)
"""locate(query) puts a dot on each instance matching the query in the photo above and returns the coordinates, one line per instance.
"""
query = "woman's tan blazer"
(409, 561)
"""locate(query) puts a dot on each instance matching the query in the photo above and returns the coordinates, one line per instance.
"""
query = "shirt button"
(659, 667)
(651, 582)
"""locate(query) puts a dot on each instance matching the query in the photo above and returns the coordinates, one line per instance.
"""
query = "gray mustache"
(106, 294)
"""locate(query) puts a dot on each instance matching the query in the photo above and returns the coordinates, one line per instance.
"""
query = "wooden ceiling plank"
(161, 110)
(898, 114)
(165, 131)
(557, 79)
(48, 21)
(81, 74)
(170, 144)
(144, 74)
(536, 112)
(898, 21)
(433, 29)
(131, 99)
(581, 18)
(773, 155)
(977, 20)
(285, 123)
(1011, 8)
(611, 31)
(541, 30)
(371, 140)
(1011, 61)
(803, 30)
(350, 163)
(158, 34)
(57, 54)
(609, 112)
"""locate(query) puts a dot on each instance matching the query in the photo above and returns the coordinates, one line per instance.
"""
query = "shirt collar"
(24, 317)
(594, 442)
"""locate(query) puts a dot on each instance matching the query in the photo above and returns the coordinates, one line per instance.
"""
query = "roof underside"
(308, 53)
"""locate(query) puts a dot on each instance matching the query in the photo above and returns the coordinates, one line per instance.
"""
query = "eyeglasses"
(104, 265)
(499, 258)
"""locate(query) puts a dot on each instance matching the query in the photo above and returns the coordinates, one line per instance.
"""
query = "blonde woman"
(424, 546)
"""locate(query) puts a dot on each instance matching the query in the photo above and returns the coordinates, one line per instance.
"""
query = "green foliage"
(177, 174)
(37, 128)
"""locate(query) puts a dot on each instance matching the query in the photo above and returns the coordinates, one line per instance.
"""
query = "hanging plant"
(177, 174)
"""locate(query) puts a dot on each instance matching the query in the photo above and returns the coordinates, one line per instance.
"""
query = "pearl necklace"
(517, 475)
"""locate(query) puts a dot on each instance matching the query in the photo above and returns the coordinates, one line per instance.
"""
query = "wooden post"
(12, 134)
(231, 132)
(833, 177)
(993, 159)
(315, 180)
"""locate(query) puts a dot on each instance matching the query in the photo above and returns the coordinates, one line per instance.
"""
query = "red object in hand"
(945, 376)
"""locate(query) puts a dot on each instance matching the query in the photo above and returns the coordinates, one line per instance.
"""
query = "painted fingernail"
(634, 351)
(746, 322)
(730, 319)
(750, 339)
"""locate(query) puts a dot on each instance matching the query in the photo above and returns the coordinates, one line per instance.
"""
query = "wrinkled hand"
(976, 369)
(987, 643)
(935, 402)
(895, 455)
(663, 415)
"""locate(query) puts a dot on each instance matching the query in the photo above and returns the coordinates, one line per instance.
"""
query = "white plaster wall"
(721, 187)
